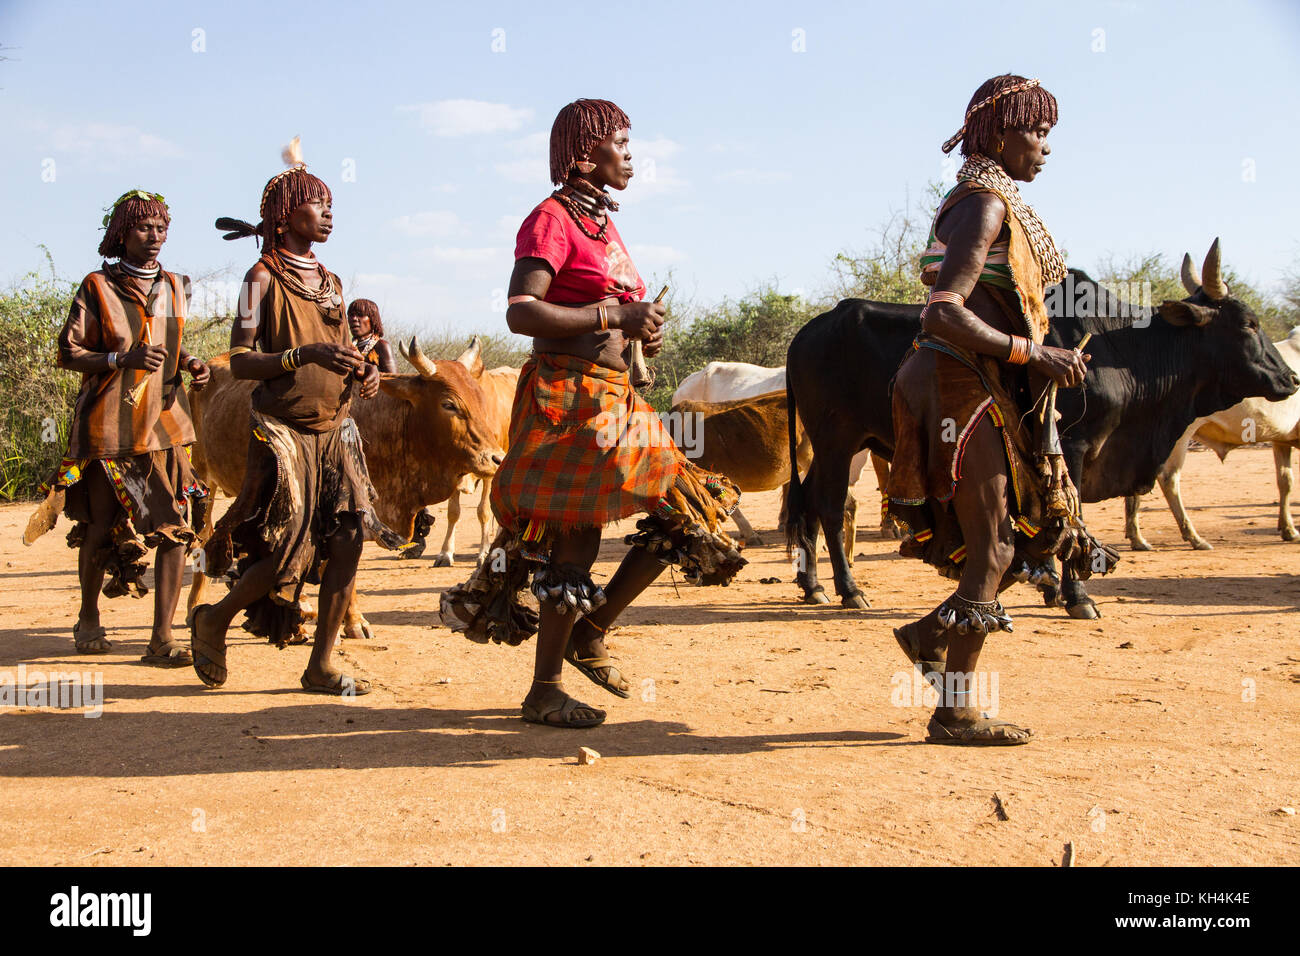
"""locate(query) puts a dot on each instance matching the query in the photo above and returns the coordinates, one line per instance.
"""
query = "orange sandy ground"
(767, 735)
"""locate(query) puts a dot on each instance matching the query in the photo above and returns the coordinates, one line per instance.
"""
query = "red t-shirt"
(586, 270)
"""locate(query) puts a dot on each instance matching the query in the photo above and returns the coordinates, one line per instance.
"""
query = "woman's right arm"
(532, 277)
(259, 366)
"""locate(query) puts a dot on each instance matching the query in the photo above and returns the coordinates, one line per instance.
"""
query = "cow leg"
(446, 557)
(199, 582)
(830, 491)
(355, 626)
(889, 527)
(804, 551)
(1169, 476)
(850, 527)
(1132, 529)
(1078, 604)
(747, 531)
(486, 523)
(1282, 461)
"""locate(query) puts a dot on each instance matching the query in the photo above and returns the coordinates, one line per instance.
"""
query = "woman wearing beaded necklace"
(974, 500)
(585, 450)
(368, 334)
(306, 492)
(127, 471)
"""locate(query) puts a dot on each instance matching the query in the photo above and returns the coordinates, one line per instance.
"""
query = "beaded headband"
(987, 101)
(132, 194)
(261, 207)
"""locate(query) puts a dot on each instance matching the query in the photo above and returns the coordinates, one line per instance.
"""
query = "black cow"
(1153, 371)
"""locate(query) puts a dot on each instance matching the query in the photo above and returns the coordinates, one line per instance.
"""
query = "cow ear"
(1183, 313)
(405, 387)
(472, 357)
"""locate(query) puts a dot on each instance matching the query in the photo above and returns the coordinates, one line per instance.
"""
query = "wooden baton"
(640, 371)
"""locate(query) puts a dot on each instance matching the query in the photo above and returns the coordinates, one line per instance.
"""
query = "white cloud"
(754, 177)
(465, 262)
(468, 117)
(106, 145)
(437, 224)
(655, 256)
(460, 255)
(655, 172)
(533, 165)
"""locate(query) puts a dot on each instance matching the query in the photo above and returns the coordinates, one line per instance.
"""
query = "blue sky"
(757, 160)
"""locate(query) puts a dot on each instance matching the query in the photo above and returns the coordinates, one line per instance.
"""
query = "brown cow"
(499, 391)
(421, 432)
(746, 440)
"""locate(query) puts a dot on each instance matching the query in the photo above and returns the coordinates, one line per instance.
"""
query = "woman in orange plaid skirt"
(585, 449)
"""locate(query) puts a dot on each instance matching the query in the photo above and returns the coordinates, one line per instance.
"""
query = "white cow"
(728, 381)
(1254, 420)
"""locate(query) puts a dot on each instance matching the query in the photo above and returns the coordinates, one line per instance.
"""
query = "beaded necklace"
(325, 294)
(579, 198)
(138, 272)
(984, 171)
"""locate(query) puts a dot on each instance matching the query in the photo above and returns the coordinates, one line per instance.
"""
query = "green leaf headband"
(133, 194)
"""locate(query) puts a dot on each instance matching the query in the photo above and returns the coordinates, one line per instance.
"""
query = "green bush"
(37, 395)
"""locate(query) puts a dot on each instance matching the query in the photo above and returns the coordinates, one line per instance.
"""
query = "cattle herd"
(1158, 379)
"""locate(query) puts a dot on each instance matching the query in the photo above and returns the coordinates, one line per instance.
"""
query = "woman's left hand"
(199, 372)
(369, 375)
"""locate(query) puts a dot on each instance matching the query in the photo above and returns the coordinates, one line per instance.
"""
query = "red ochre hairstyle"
(283, 193)
(128, 212)
(369, 310)
(1003, 102)
(578, 129)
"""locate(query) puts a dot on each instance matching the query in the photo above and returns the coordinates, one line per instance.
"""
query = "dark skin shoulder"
(968, 229)
(386, 363)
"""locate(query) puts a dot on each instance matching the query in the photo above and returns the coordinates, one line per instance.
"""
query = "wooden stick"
(640, 371)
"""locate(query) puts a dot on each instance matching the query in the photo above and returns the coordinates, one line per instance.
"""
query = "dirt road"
(760, 730)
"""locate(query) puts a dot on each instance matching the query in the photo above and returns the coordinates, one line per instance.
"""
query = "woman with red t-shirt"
(585, 449)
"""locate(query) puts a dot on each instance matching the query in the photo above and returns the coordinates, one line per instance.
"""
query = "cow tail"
(794, 503)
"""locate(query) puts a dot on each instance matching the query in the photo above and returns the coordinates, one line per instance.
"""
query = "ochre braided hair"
(578, 129)
(1003, 102)
(371, 311)
(130, 210)
(284, 193)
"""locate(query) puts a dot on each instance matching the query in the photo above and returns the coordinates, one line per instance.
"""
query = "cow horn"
(418, 359)
(1212, 274)
(1190, 282)
(472, 356)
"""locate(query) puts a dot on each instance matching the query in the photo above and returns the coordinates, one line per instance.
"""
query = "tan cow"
(421, 434)
(746, 440)
(499, 386)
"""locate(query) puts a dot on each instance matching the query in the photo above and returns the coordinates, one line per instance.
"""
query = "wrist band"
(239, 349)
(516, 299)
(936, 296)
(1021, 350)
(953, 297)
(603, 314)
(289, 360)
(112, 360)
